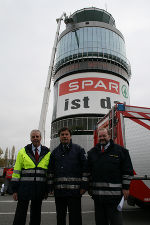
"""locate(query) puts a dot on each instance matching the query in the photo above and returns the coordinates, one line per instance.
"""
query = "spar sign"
(89, 84)
(90, 93)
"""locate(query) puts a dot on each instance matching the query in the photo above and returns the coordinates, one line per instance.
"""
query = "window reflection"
(91, 41)
(79, 123)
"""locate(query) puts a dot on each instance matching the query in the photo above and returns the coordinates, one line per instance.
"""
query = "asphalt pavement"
(131, 215)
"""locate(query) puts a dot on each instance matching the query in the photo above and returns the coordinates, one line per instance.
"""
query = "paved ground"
(131, 215)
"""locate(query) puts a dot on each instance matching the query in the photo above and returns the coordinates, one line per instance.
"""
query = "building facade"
(91, 74)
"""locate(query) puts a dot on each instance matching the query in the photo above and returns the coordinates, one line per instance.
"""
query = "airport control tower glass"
(91, 42)
(91, 73)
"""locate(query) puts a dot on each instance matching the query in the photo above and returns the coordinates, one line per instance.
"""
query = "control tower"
(91, 74)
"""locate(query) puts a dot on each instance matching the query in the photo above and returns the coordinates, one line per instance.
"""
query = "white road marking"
(12, 213)
(11, 201)
(87, 212)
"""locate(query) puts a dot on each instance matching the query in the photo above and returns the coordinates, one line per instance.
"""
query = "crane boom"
(48, 82)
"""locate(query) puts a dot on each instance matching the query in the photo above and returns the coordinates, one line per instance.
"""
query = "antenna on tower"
(106, 6)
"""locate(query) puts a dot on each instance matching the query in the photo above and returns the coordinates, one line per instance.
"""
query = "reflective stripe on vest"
(67, 186)
(33, 171)
(126, 182)
(104, 184)
(126, 179)
(41, 179)
(110, 193)
(67, 179)
(25, 168)
(17, 171)
(15, 179)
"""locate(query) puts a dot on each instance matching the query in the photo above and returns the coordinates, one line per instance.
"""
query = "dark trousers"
(74, 208)
(106, 213)
(7, 186)
(21, 212)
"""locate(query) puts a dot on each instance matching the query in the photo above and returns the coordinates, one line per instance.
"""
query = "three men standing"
(110, 175)
(29, 180)
(68, 178)
(109, 167)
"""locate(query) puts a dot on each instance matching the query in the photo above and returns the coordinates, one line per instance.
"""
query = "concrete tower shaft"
(91, 73)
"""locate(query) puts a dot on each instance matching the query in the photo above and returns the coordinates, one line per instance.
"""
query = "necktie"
(36, 154)
(102, 148)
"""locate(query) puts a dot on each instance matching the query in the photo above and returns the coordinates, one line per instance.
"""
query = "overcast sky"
(27, 31)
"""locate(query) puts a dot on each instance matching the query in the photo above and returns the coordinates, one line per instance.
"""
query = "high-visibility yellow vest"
(26, 170)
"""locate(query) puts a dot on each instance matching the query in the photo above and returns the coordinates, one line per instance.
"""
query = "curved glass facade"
(76, 123)
(92, 14)
(91, 42)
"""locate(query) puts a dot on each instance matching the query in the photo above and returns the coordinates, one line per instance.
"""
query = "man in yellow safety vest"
(29, 180)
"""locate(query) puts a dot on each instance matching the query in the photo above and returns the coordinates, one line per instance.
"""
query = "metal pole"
(47, 90)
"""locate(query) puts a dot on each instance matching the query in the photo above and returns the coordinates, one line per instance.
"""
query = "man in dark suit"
(29, 180)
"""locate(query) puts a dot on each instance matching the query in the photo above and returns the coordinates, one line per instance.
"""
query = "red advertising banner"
(89, 84)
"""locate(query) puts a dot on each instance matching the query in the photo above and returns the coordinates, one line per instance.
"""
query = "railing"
(105, 54)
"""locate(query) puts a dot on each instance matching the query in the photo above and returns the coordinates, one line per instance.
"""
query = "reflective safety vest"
(29, 177)
(26, 169)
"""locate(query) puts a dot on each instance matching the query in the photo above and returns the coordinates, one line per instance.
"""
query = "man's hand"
(15, 196)
(82, 191)
(125, 193)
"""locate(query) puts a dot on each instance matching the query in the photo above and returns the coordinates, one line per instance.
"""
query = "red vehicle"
(9, 173)
(3, 172)
(6, 173)
(130, 127)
